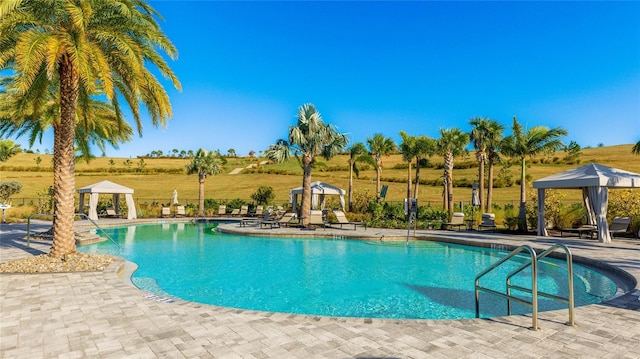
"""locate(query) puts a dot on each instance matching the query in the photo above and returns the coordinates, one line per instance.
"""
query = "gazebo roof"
(591, 175)
(105, 187)
(321, 188)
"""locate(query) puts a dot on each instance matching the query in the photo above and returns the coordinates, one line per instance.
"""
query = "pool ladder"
(533, 263)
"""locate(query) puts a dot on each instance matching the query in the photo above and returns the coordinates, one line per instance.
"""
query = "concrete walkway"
(98, 315)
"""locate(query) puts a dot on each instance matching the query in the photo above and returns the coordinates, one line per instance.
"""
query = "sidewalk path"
(98, 315)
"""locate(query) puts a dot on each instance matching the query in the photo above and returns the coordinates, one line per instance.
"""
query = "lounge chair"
(235, 212)
(244, 210)
(342, 220)
(271, 220)
(457, 220)
(316, 218)
(111, 213)
(166, 212)
(180, 211)
(488, 222)
(619, 225)
(286, 219)
(259, 211)
(589, 229)
(222, 210)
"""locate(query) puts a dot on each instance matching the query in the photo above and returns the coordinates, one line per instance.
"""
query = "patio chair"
(244, 210)
(166, 212)
(342, 220)
(271, 220)
(316, 218)
(286, 219)
(222, 210)
(259, 211)
(589, 229)
(457, 220)
(488, 222)
(111, 213)
(180, 211)
(235, 212)
(619, 225)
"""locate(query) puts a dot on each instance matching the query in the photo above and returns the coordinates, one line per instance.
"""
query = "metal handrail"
(534, 283)
(570, 296)
(76, 214)
(98, 227)
(508, 296)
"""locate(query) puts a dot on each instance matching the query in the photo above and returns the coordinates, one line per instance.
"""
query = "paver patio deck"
(98, 315)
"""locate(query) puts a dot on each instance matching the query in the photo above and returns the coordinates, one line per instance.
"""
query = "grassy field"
(156, 180)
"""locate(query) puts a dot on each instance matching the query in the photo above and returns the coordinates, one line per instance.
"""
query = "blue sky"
(416, 66)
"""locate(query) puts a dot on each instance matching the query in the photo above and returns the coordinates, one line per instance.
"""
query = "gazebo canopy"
(594, 180)
(107, 187)
(318, 192)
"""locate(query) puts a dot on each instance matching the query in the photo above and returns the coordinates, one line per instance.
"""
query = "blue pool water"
(349, 278)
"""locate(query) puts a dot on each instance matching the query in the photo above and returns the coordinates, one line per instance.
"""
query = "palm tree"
(520, 145)
(425, 146)
(380, 146)
(408, 150)
(90, 49)
(478, 138)
(203, 163)
(636, 148)
(493, 138)
(451, 143)
(357, 153)
(310, 137)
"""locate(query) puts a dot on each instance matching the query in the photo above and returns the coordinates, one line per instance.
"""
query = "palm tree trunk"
(64, 162)
(305, 203)
(522, 217)
(489, 187)
(417, 184)
(481, 161)
(350, 187)
(409, 189)
(201, 196)
(378, 175)
(448, 169)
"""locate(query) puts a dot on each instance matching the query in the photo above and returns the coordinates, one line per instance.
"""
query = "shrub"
(263, 195)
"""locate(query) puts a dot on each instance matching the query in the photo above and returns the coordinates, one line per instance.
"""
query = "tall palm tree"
(310, 137)
(493, 138)
(520, 145)
(451, 143)
(203, 163)
(425, 146)
(380, 146)
(96, 48)
(636, 148)
(357, 153)
(408, 150)
(478, 137)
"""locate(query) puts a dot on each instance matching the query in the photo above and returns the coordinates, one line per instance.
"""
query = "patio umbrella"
(475, 200)
(175, 197)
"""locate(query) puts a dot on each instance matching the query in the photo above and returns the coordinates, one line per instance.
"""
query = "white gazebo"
(107, 187)
(594, 180)
(318, 192)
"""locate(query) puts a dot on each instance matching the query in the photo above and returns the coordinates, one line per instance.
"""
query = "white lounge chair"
(457, 220)
(619, 225)
(342, 220)
(488, 222)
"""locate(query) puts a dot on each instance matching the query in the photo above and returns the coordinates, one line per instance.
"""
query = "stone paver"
(100, 315)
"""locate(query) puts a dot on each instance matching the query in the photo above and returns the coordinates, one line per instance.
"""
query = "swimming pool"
(347, 278)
